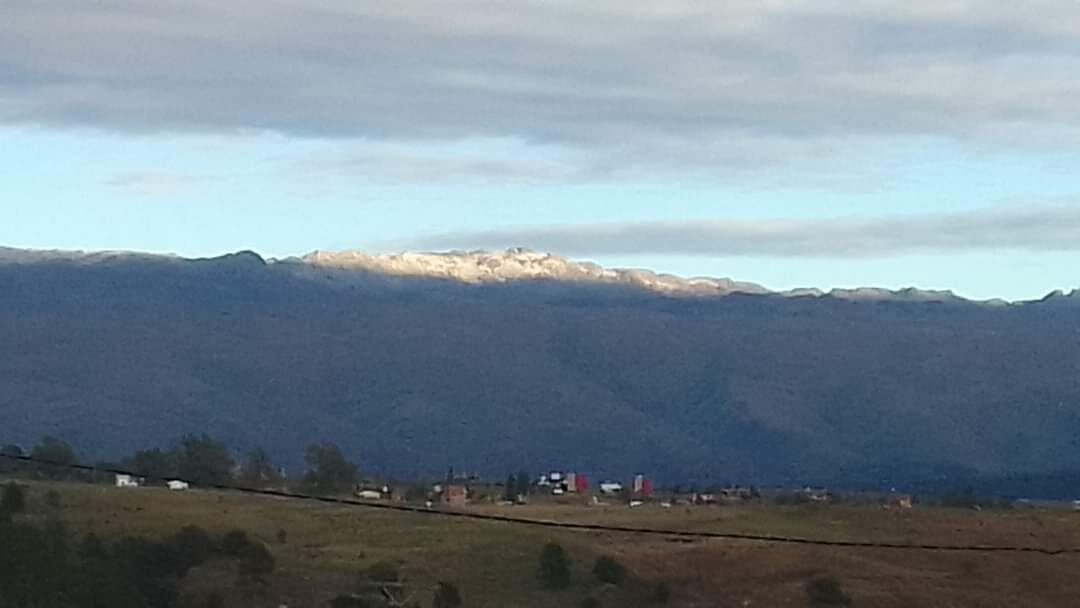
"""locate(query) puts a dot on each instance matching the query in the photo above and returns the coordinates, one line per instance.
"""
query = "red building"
(581, 483)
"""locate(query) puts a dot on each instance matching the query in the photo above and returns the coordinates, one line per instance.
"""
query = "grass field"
(495, 564)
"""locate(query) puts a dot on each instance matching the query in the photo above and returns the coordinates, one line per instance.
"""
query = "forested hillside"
(411, 375)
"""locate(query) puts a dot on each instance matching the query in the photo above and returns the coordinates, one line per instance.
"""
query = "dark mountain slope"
(413, 375)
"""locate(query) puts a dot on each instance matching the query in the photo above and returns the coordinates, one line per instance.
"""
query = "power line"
(762, 538)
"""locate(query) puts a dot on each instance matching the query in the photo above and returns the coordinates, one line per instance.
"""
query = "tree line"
(198, 459)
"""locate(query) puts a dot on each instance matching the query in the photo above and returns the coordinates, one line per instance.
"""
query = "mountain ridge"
(521, 264)
(412, 373)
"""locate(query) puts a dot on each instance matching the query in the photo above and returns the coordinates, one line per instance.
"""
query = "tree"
(329, 470)
(607, 569)
(13, 498)
(511, 488)
(154, 464)
(523, 484)
(446, 596)
(202, 460)
(57, 452)
(257, 469)
(554, 566)
(10, 465)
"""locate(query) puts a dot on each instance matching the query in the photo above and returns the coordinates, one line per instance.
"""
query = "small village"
(572, 488)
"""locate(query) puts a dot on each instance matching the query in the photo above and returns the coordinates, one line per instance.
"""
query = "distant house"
(369, 494)
(642, 485)
(735, 494)
(703, 499)
(816, 494)
(177, 484)
(900, 501)
(126, 481)
(455, 495)
(610, 487)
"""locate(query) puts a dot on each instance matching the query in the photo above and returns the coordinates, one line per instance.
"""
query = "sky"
(792, 144)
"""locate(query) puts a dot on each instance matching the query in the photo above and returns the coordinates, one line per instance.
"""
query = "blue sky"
(919, 144)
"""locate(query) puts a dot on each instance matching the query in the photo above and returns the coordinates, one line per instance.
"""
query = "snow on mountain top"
(519, 264)
(515, 264)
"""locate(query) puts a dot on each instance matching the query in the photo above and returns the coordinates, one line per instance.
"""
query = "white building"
(369, 494)
(126, 481)
(610, 487)
(177, 484)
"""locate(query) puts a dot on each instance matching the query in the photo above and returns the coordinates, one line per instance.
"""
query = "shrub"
(256, 560)
(590, 602)
(446, 596)
(234, 542)
(383, 572)
(825, 591)
(148, 559)
(282, 536)
(91, 548)
(52, 499)
(13, 498)
(554, 566)
(608, 570)
(356, 601)
(661, 593)
(215, 599)
(193, 546)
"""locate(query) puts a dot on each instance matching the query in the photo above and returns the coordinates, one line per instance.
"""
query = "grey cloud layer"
(1032, 229)
(640, 83)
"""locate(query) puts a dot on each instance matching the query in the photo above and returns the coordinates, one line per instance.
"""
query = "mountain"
(501, 361)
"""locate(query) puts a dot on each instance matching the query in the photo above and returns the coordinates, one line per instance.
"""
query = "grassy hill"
(326, 548)
(413, 375)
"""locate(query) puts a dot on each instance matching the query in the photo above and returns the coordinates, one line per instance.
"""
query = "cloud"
(640, 86)
(154, 184)
(441, 164)
(1039, 228)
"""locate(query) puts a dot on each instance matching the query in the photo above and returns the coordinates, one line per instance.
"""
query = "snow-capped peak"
(518, 264)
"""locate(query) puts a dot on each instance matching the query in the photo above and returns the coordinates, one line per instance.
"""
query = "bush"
(234, 542)
(608, 570)
(661, 593)
(192, 546)
(256, 560)
(356, 601)
(383, 572)
(446, 596)
(215, 599)
(91, 548)
(825, 591)
(590, 602)
(13, 498)
(52, 499)
(554, 566)
(282, 536)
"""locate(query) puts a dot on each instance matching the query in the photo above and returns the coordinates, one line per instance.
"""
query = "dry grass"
(494, 564)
